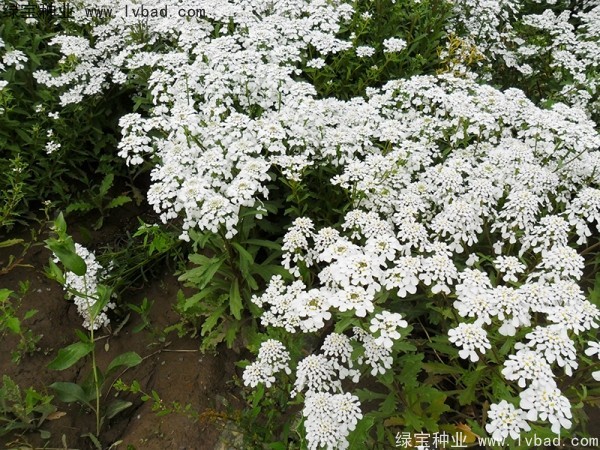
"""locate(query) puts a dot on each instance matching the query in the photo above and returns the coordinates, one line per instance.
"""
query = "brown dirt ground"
(173, 368)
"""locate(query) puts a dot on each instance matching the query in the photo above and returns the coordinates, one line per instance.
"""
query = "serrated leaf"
(212, 319)
(118, 201)
(70, 355)
(79, 206)
(202, 275)
(195, 299)
(106, 184)
(470, 380)
(359, 437)
(411, 366)
(235, 300)
(246, 259)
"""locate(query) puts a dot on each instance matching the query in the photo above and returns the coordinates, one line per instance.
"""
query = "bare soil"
(171, 366)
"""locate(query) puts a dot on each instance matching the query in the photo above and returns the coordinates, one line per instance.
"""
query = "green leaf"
(411, 366)
(10, 242)
(94, 440)
(104, 294)
(107, 182)
(116, 407)
(60, 225)
(439, 368)
(129, 359)
(29, 314)
(4, 294)
(246, 259)
(13, 324)
(79, 206)
(65, 251)
(263, 243)
(70, 355)
(69, 392)
(266, 271)
(360, 436)
(470, 379)
(118, 201)
(235, 300)
(212, 319)
(202, 275)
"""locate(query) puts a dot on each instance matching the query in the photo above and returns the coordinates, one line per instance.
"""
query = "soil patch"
(172, 366)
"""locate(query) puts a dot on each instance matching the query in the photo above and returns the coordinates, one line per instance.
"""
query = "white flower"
(546, 403)
(364, 51)
(510, 265)
(15, 58)
(317, 63)
(375, 355)
(86, 288)
(594, 349)
(273, 354)
(387, 324)
(316, 373)
(354, 298)
(394, 45)
(258, 373)
(403, 276)
(338, 348)
(329, 419)
(528, 366)
(506, 420)
(553, 343)
(471, 337)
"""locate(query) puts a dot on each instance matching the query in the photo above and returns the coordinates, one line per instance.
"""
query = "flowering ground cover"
(382, 216)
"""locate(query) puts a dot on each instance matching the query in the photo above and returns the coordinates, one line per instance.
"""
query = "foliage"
(10, 303)
(23, 411)
(227, 272)
(79, 281)
(51, 152)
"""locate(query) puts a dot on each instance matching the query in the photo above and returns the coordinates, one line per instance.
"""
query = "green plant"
(23, 411)
(158, 405)
(98, 198)
(226, 273)
(421, 24)
(89, 392)
(10, 303)
(13, 192)
(135, 258)
(51, 151)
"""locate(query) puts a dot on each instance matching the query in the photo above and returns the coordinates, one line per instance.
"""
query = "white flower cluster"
(84, 289)
(10, 58)
(436, 167)
(330, 413)
(567, 37)
(329, 419)
(227, 105)
(272, 357)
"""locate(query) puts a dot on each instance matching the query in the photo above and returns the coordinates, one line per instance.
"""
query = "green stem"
(96, 385)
